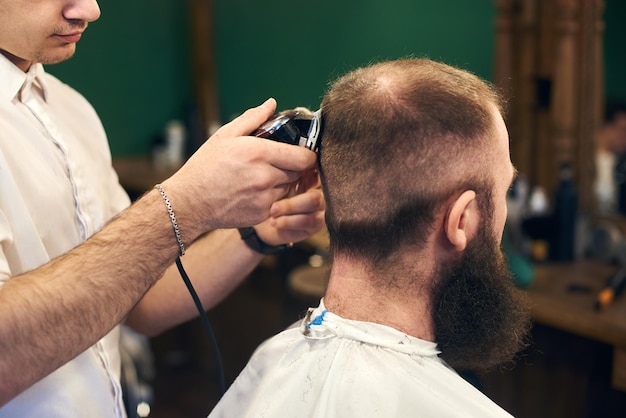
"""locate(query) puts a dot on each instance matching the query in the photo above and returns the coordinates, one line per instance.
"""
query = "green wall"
(134, 63)
(291, 52)
(615, 49)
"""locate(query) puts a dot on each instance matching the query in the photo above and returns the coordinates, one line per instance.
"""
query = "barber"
(76, 260)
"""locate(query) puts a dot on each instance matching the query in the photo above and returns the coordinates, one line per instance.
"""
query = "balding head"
(400, 139)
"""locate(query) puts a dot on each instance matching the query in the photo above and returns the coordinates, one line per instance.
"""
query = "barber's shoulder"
(63, 94)
(56, 85)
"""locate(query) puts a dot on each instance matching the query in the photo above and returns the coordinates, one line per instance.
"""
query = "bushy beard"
(479, 316)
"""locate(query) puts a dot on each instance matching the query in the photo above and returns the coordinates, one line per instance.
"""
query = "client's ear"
(461, 222)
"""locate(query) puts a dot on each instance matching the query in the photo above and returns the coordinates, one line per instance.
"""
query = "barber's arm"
(51, 314)
(220, 260)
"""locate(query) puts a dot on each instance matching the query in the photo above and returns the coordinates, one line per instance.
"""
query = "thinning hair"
(401, 138)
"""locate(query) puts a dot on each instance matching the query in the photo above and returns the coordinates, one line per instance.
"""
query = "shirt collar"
(13, 79)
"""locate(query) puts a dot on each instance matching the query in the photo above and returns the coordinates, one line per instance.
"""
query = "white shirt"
(57, 187)
(332, 367)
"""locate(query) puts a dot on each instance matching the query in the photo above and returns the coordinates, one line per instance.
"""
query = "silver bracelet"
(170, 211)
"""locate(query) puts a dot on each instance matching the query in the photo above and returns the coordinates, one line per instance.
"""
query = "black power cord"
(207, 326)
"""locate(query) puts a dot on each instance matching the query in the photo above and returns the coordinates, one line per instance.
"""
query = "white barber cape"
(330, 367)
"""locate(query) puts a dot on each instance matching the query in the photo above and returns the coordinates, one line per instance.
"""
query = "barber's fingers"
(294, 228)
(310, 179)
(248, 121)
(280, 155)
(289, 157)
(293, 219)
(308, 202)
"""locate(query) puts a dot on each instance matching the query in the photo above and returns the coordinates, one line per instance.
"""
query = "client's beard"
(479, 318)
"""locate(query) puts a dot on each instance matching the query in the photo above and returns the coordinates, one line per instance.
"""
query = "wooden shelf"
(138, 174)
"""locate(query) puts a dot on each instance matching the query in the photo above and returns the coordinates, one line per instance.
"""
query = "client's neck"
(398, 300)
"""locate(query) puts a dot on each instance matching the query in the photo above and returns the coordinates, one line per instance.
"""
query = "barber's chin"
(59, 54)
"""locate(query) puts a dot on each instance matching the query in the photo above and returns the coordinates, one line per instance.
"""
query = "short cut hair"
(400, 139)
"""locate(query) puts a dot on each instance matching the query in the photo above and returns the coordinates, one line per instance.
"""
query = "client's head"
(414, 161)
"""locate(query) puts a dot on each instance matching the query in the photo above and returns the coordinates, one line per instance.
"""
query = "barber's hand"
(233, 179)
(298, 216)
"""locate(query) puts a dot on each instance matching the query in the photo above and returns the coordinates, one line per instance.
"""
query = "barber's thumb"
(249, 120)
(269, 104)
(266, 110)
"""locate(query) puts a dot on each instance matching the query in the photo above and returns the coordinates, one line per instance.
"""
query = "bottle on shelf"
(562, 247)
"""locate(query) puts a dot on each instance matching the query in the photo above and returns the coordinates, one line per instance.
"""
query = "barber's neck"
(399, 299)
(20, 63)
